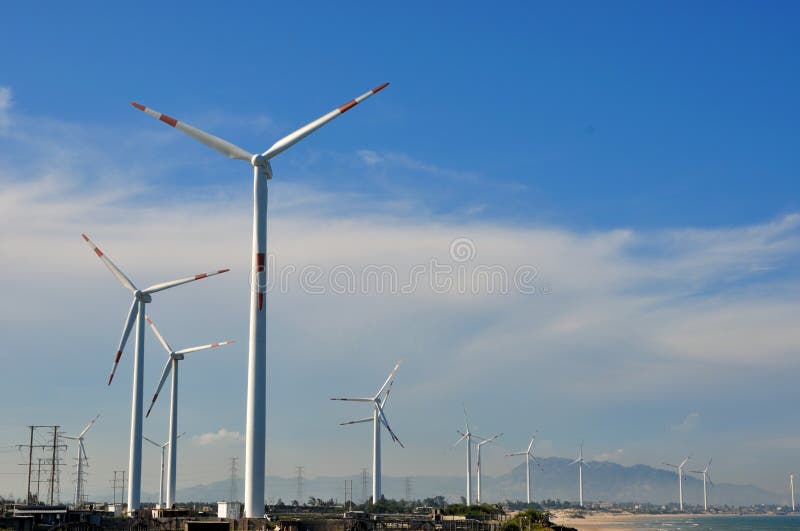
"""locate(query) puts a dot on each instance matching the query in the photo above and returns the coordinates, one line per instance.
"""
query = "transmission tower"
(364, 483)
(408, 489)
(299, 484)
(232, 495)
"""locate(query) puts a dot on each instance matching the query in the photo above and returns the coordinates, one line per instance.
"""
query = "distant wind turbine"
(485, 441)
(706, 479)
(791, 488)
(81, 458)
(679, 468)
(256, 434)
(528, 453)
(172, 366)
(378, 417)
(468, 436)
(136, 314)
(163, 447)
(579, 461)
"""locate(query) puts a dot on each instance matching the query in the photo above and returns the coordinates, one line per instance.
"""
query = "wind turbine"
(136, 314)
(528, 453)
(791, 488)
(706, 478)
(490, 439)
(679, 468)
(161, 477)
(378, 417)
(468, 437)
(579, 461)
(172, 365)
(81, 458)
(255, 444)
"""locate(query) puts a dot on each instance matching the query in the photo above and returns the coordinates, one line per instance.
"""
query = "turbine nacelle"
(258, 161)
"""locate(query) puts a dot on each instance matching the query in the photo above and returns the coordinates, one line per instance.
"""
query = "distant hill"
(603, 481)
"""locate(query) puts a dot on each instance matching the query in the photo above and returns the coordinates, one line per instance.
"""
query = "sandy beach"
(595, 522)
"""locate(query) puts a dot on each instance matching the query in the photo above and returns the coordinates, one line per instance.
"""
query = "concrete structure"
(228, 509)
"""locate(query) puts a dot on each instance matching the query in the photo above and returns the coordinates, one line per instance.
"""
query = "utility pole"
(299, 484)
(30, 463)
(53, 467)
(30, 446)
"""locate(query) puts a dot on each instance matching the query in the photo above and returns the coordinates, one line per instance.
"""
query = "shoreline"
(602, 521)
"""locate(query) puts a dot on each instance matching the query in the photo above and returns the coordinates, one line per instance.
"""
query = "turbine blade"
(89, 426)
(386, 396)
(291, 139)
(386, 423)
(461, 439)
(223, 146)
(669, 465)
(576, 461)
(355, 399)
(171, 284)
(387, 380)
(181, 435)
(151, 441)
(164, 374)
(368, 419)
(125, 281)
(516, 453)
(126, 331)
(83, 450)
(158, 335)
(466, 417)
(203, 347)
(533, 439)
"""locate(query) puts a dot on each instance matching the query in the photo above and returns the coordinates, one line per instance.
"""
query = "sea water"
(710, 523)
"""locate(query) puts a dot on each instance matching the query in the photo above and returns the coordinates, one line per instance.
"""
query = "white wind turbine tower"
(485, 441)
(528, 453)
(81, 458)
(679, 468)
(378, 417)
(172, 366)
(791, 488)
(579, 461)
(706, 479)
(255, 444)
(163, 447)
(136, 314)
(468, 437)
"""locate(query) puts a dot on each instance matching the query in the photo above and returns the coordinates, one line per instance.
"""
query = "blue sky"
(643, 157)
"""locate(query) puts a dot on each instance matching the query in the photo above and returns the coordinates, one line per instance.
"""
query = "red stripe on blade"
(119, 355)
(260, 301)
(214, 345)
(198, 277)
(349, 105)
(259, 262)
(168, 120)
(138, 106)
(85, 237)
(380, 87)
(223, 270)
(98, 252)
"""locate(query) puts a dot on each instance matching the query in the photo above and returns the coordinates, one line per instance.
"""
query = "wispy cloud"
(690, 423)
(613, 455)
(216, 438)
(5, 108)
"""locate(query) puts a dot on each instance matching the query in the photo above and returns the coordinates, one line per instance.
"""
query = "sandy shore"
(595, 522)
(610, 522)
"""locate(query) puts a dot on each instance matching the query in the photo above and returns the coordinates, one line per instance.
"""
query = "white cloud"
(219, 437)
